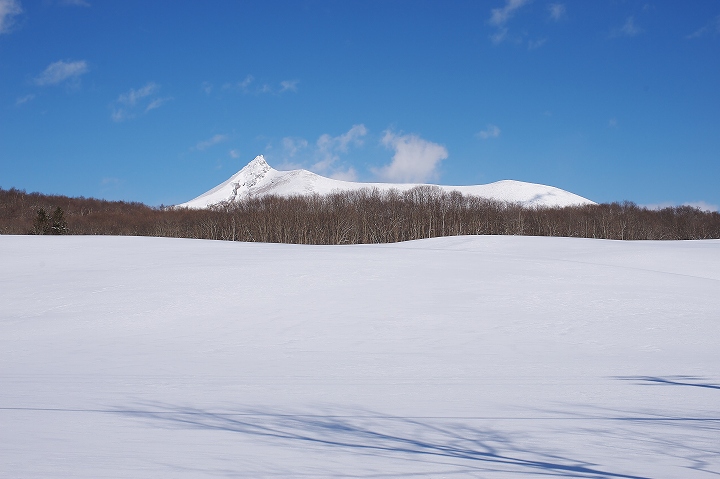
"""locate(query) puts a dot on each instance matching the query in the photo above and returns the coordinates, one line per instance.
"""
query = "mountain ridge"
(258, 178)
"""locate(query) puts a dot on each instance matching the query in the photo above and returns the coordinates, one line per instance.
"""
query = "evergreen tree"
(58, 224)
(50, 225)
(42, 222)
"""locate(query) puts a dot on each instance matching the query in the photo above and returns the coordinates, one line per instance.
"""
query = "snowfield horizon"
(463, 356)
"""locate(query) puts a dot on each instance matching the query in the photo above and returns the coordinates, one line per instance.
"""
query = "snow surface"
(493, 357)
(257, 178)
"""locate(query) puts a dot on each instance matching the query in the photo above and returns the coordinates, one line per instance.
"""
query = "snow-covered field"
(452, 357)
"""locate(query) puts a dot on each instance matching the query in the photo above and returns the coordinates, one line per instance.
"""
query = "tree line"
(363, 216)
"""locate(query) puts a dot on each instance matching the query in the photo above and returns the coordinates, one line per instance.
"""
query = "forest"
(358, 217)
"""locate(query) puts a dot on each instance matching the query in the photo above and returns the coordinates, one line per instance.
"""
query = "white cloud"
(629, 29)
(131, 97)
(557, 11)
(24, 99)
(74, 3)
(291, 146)
(142, 100)
(8, 10)
(234, 154)
(535, 44)
(110, 181)
(242, 86)
(247, 86)
(288, 85)
(60, 71)
(345, 175)
(500, 16)
(207, 87)
(329, 147)
(492, 131)
(712, 28)
(353, 136)
(415, 159)
(499, 36)
(204, 145)
(324, 157)
(157, 103)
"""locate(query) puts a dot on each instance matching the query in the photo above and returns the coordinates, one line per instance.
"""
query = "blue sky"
(160, 101)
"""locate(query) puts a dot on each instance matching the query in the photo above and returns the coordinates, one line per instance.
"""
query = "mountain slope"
(258, 178)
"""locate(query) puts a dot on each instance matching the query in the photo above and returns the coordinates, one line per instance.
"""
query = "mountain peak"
(252, 172)
(258, 161)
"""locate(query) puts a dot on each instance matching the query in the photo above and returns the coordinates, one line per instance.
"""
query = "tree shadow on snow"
(688, 441)
(429, 440)
(693, 381)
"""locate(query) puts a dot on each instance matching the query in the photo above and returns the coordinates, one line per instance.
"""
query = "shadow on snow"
(473, 449)
(670, 381)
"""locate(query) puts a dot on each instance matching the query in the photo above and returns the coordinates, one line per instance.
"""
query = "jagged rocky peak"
(255, 171)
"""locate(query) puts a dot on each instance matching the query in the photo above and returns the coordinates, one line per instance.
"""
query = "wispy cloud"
(329, 147)
(207, 87)
(242, 86)
(499, 36)
(157, 103)
(110, 181)
(74, 3)
(415, 159)
(557, 11)
(325, 155)
(234, 154)
(628, 29)
(249, 86)
(142, 100)
(291, 146)
(24, 99)
(288, 85)
(205, 144)
(499, 18)
(711, 28)
(132, 97)
(62, 71)
(612, 123)
(9, 9)
(345, 175)
(491, 131)
(535, 44)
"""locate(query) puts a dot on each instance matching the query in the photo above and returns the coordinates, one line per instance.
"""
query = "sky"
(160, 101)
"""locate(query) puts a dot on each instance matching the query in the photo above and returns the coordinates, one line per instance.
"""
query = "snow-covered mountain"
(258, 178)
